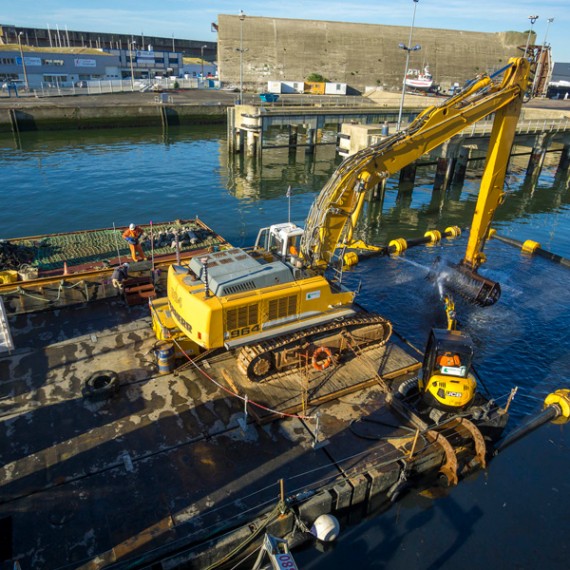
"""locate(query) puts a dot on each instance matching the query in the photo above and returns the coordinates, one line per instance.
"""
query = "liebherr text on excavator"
(274, 302)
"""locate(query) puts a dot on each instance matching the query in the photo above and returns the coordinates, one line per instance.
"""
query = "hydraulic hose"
(542, 418)
(531, 247)
(556, 410)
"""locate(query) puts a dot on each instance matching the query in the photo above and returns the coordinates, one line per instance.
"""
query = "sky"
(190, 19)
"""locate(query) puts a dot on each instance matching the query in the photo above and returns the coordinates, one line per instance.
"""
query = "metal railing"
(98, 87)
(527, 126)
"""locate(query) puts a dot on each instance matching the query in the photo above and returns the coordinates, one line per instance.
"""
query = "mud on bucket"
(164, 351)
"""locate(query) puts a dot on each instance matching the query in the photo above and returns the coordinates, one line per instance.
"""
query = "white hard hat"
(132, 227)
(125, 264)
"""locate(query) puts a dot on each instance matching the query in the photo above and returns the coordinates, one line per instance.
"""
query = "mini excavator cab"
(446, 381)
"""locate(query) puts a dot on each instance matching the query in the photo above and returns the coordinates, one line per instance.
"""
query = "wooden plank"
(349, 389)
(284, 392)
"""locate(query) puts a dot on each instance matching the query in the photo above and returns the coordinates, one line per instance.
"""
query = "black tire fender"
(101, 385)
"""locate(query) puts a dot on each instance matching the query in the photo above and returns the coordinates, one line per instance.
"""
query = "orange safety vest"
(449, 359)
(134, 234)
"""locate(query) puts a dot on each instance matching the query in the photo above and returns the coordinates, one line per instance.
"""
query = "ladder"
(277, 551)
(6, 342)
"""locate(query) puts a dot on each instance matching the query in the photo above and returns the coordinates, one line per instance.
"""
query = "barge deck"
(170, 462)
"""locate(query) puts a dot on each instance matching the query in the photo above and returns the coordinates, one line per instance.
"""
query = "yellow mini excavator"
(446, 381)
(274, 302)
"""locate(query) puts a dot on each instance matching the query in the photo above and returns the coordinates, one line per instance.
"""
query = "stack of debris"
(13, 256)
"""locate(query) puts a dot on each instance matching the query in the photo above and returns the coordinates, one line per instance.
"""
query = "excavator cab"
(281, 240)
(446, 381)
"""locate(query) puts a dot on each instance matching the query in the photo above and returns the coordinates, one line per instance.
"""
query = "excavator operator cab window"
(448, 353)
(450, 363)
(293, 246)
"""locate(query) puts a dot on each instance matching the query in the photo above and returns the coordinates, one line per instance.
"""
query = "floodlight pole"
(241, 18)
(23, 61)
(532, 19)
(408, 49)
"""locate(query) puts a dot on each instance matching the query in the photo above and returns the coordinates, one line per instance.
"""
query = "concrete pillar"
(461, 166)
(293, 134)
(451, 163)
(240, 146)
(440, 171)
(231, 129)
(251, 143)
(379, 192)
(311, 136)
(564, 159)
(259, 145)
(408, 174)
(537, 155)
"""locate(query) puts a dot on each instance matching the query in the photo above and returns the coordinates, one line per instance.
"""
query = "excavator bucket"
(466, 282)
(475, 288)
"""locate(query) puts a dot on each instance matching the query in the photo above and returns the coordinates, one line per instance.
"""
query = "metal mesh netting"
(50, 252)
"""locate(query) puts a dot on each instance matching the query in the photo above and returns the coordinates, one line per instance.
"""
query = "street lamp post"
(532, 19)
(132, 44)
(408, 49)
(23, 61)
(241, 18)
(202, 58)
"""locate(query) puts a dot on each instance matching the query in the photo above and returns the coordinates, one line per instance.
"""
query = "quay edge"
(76, 117)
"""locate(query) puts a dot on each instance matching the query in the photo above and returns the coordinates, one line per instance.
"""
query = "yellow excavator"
(274, 302)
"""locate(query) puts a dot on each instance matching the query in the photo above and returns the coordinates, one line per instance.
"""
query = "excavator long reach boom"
(335, 213)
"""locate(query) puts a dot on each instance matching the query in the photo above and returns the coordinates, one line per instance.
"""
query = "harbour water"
(514, 515)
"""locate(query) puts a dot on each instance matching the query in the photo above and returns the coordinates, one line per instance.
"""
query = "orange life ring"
(322, 363)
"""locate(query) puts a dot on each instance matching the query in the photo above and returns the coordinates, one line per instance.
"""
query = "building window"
(55, 62)
(7, 61)
(54, 80)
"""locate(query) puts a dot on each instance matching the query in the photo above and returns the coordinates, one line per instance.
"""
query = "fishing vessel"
(418, 80)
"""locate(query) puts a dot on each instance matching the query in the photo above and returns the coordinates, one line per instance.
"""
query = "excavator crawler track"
(317, 347)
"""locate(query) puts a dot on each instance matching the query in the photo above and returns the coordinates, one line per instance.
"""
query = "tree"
(316, 78)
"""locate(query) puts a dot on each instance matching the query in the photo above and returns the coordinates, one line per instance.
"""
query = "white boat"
(415, 79)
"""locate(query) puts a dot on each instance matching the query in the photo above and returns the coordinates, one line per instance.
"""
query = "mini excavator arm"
(335, 213)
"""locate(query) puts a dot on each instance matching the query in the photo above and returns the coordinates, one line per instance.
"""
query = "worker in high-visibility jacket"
(132, 236)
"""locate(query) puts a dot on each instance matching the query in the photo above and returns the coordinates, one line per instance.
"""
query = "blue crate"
(269, 97)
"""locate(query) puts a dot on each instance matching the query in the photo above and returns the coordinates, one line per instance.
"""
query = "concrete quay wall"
(359, 55)
(71, 117)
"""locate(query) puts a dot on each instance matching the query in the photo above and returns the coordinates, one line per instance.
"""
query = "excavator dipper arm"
(335, 213)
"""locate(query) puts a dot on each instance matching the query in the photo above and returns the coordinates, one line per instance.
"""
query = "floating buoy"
(322, 358)
(326, 528)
